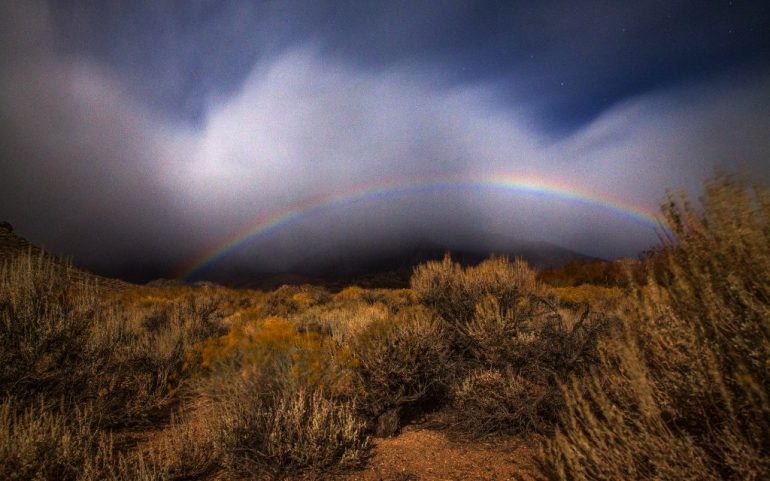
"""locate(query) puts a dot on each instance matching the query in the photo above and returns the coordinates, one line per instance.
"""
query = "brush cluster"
(658, 374)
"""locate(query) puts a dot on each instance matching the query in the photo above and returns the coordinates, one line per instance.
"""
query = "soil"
(419, 454)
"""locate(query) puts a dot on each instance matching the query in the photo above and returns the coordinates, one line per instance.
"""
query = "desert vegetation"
(682, 392)
(649, 369)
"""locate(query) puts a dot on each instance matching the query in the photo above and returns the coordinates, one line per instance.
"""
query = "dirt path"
(427, 455)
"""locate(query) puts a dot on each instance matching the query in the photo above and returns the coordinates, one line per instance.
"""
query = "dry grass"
(684, 392)
(270, 435)
(38, 442)
(664, 380)
(601, 298)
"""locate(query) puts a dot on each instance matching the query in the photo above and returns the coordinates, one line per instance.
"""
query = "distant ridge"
(391, 268)
(12, 245)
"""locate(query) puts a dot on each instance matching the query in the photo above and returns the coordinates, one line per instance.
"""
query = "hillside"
(389, 267)
(12, 245)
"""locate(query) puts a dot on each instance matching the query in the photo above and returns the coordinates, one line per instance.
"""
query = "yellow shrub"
(303, 300)
(588, 294)
(351, 293)
(274, 345)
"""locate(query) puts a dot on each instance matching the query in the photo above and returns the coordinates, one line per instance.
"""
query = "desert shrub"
(139, 368)
(340, 320)
(684, 393)
(44, 324)
(495, 401)
(396, 299)
(287, 301)
(393, 298)
(500, 322)
(540, 342)
(521, 356)
(403, 361)
(454, 291)
(66, 341)
(186, 449)
(282, 401)
(348, 322)
(274, 348)
(270, 434)
(350, 293)
(617, 273)
(599, 297)
(42, 443)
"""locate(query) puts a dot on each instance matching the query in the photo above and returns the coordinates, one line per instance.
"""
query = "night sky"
(139, 136)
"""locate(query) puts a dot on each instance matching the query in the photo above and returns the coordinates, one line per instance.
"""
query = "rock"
(6, 226)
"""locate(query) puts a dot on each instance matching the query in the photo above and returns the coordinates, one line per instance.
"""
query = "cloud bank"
(91, 170)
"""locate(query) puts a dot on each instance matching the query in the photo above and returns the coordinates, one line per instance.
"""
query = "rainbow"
(273, 221)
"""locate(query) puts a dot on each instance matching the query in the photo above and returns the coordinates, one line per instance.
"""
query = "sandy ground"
(428, 455)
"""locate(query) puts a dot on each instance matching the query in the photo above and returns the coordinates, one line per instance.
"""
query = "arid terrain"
(644, 369)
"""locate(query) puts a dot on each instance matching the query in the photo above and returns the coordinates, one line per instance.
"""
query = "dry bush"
(280, 401)
(454, 291)
(350, 310)
(44, 321)
(275, 349)
(495, 401)
(393, 298)
(336, 318)
(598, 297)
(684, 393)
(403, 361)
(500, 322)
(457, 292)
(350, 293)
(521, 356)
(286, 301)
(140, 366)
(617, 273)
(267, 434)
(185, 449)
(71, 344)
(348, 322)
(531, 335)
(42, 444)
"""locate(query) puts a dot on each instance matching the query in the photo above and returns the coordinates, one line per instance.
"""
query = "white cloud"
(98, 172)
(302, 125)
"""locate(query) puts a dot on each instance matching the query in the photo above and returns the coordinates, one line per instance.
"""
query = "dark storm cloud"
(137, 134)
(567, 61)
(78, 157)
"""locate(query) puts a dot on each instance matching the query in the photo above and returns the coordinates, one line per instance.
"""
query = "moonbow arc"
(266, 224)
